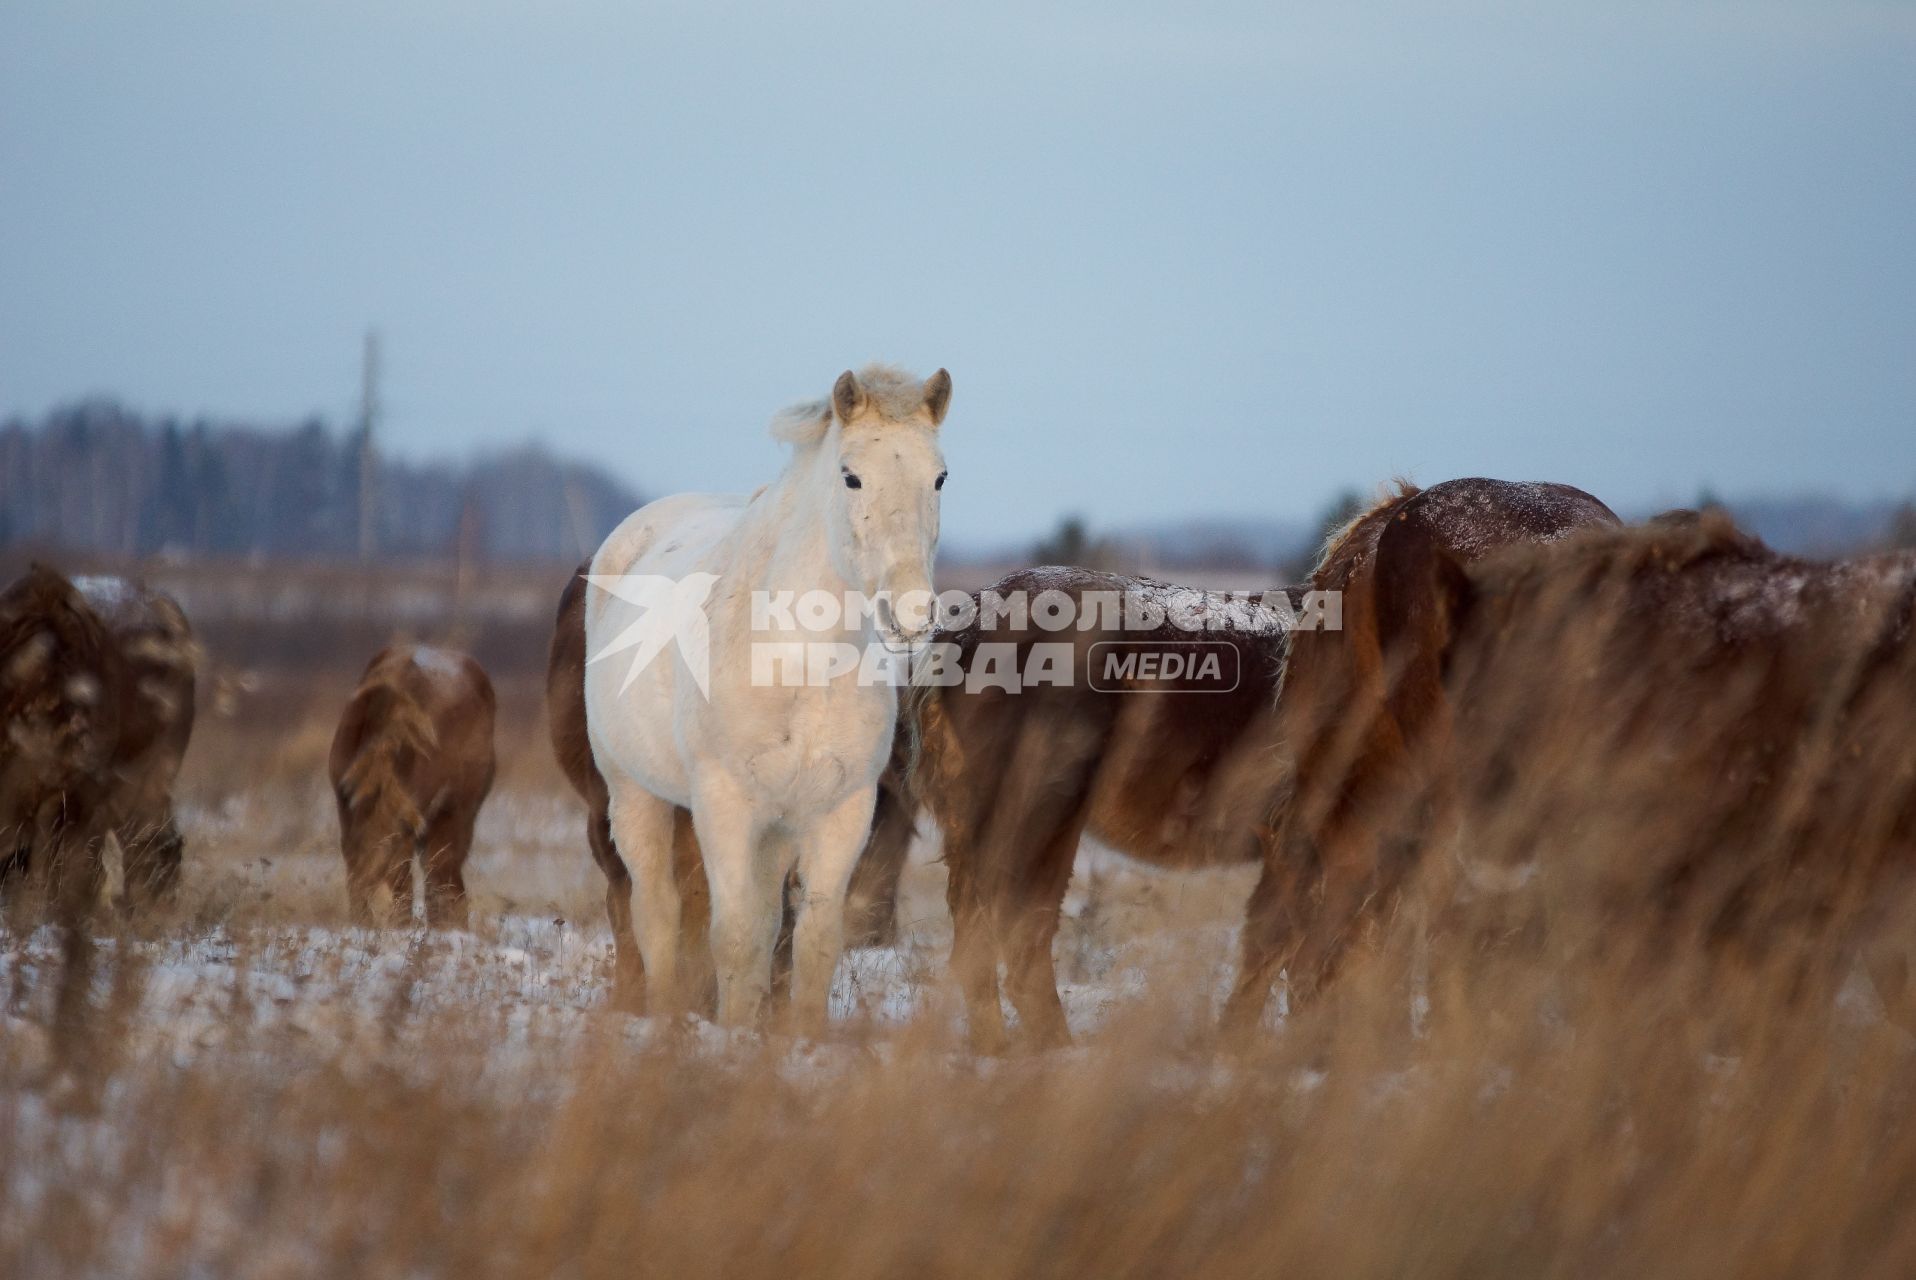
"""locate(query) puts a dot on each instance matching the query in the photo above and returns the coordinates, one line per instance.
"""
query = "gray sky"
(1180, 259)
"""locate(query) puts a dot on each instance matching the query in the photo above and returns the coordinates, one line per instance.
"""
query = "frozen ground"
(264, 947)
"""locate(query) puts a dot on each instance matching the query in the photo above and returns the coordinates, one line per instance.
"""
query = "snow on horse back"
(691, 637)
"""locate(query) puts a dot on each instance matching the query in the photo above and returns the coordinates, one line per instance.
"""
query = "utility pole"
(368, 416)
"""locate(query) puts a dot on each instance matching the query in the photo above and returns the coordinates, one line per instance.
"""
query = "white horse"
(775, 775)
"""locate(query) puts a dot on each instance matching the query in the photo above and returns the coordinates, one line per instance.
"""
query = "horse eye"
(852, 481)
(939, 483)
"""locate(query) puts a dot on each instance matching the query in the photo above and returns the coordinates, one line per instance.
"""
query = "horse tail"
(398, 728)
(1351, 544)
(933, 754)
(920, 711)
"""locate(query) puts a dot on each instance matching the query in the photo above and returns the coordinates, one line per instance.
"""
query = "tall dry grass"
(1563, 1124)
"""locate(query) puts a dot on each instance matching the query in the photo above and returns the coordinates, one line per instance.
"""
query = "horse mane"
(892, 392)
(802, 424)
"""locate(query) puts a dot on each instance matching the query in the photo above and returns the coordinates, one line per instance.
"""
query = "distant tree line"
(99, 477)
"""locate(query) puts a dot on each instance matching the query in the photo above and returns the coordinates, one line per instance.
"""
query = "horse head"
(886, 472)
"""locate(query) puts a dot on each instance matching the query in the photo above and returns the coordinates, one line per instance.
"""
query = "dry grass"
(290, 1101)
(266, 1092)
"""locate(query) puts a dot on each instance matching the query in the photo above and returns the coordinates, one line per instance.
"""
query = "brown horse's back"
(411, 763)
(1354, 702)
(1675, 717)
(1348, 693)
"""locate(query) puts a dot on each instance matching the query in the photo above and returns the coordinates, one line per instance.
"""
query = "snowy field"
(538, 957)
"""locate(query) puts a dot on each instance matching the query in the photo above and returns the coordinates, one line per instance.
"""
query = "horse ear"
(938, 396)
(847, 396)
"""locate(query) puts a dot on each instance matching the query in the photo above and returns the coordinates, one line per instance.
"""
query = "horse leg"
(1269, 930)
(378, 881)
(785, 855)
(1031, 977)
(447, 845)
(1347, 895)
(628, 967)
(76, 873)
(974, 951)
(826, 855)
(152, 852)
(399, 857)
(359, 879)
(871, 904)
(743, 878)
(695, 916)
(782, 945)
(642, 835)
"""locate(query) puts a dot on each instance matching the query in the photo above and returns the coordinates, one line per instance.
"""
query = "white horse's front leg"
(827, 855)
(745, 880)
(642, 830)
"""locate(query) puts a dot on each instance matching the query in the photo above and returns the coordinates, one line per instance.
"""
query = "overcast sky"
(1180, 258)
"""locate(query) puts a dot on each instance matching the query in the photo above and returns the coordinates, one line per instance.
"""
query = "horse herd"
(1667, 723)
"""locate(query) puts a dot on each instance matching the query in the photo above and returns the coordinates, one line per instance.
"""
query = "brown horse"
(96, 700)
(1351, 701)
(1677, 725)
(96, 691)
(1170, 769)
(411, 763)
(871, 901)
